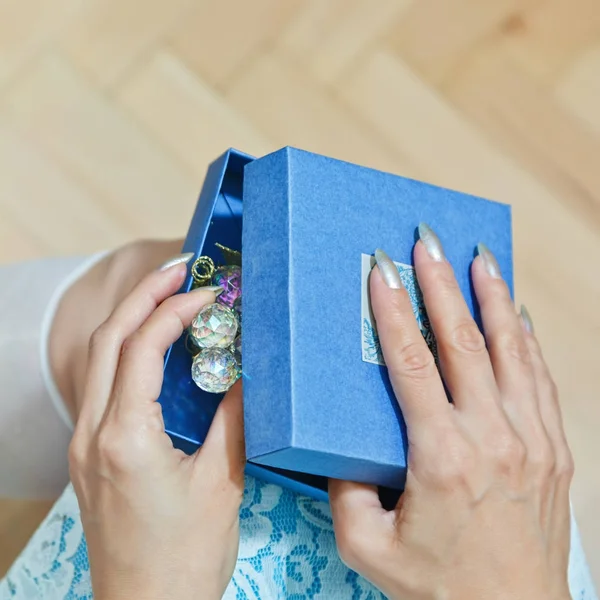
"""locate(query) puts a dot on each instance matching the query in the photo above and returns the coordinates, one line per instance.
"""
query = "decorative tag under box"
(317, 398)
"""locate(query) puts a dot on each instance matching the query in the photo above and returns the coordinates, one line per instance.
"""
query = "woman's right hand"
(485, 512)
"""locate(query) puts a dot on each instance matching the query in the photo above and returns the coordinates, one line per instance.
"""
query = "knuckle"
(104, 334)
(565, 466)
(466, 338)
(132, 343)
(77, 453)
(415, 360)
(458, 463)
(510, 453)
(515, 347)
(454, 470)
(542, 460)
(112, 450)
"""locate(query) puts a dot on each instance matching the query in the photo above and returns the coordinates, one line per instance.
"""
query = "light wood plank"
(294, 110)
(434, 37)
(327, 36)
(107, 37)
(16, 243)
(522, 117)
(27, 28)
(18, 520)
(545, 37)
(48, 206)
(219, 39)
(189, 117)
(142, 186)
(579, 89)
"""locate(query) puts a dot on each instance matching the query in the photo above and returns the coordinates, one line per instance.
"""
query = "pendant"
(215, 370)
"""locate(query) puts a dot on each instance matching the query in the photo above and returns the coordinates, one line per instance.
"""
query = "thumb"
(357, 519)
(350, 500)
(223, 452)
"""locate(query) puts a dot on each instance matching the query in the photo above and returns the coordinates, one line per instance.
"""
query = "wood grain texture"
(110, 111)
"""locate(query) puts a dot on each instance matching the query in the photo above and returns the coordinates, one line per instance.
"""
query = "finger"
(223, 453)
(139, 377)
(464, 361)
(549, 406)
(511, 359)
(411, 366)
(107, 340)
(358, 519)
(556, 509)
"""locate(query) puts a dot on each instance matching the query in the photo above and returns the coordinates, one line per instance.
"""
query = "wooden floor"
(110, 111)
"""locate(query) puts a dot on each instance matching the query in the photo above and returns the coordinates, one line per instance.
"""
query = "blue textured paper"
(311, 403)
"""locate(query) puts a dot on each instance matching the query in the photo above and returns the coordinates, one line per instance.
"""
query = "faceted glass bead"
(214, 326)
(230, 279)
(215, 370)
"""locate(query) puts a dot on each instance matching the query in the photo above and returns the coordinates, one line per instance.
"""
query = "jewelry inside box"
(214, 337)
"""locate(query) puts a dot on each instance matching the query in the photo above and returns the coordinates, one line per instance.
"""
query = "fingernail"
(431, 242)
(489, 261)
(180, 259)
(527, 320)
(217, 289)
(388, 270)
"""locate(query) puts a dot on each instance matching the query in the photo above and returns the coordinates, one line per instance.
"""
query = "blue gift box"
(317, 403)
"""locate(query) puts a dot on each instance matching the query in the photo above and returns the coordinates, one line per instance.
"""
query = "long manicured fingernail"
(180, 259)
(431, 242)
(527, 320)
(489, 261)
(388, 270)
(217, 289)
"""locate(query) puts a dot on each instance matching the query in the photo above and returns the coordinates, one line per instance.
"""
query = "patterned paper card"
(371, 349)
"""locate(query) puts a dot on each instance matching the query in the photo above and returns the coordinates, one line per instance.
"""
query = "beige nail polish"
(489, 261)
(431, 242)
(217, 289)
(177, 260)
(527, 320)
(388, 270)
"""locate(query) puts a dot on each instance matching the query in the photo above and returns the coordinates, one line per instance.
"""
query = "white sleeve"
(35, 427)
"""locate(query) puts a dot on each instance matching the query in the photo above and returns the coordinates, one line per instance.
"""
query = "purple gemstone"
(230, 279)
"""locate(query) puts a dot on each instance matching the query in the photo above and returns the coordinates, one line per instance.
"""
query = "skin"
(485, 513)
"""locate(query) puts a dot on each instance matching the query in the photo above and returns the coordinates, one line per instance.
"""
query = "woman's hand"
(158, 523)
(485, 512)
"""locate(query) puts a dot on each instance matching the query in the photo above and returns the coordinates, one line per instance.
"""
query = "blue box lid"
(187, 410)
(311, 403)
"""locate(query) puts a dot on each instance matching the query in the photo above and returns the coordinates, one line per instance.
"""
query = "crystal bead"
(230, 279)
(214, 326)
(215, 370)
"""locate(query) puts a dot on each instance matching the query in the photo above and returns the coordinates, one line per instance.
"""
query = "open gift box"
(317, 398)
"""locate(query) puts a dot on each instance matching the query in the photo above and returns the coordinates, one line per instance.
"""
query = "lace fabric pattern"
(287, 550)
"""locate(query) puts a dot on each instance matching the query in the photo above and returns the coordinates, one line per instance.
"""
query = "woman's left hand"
(158, 523)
